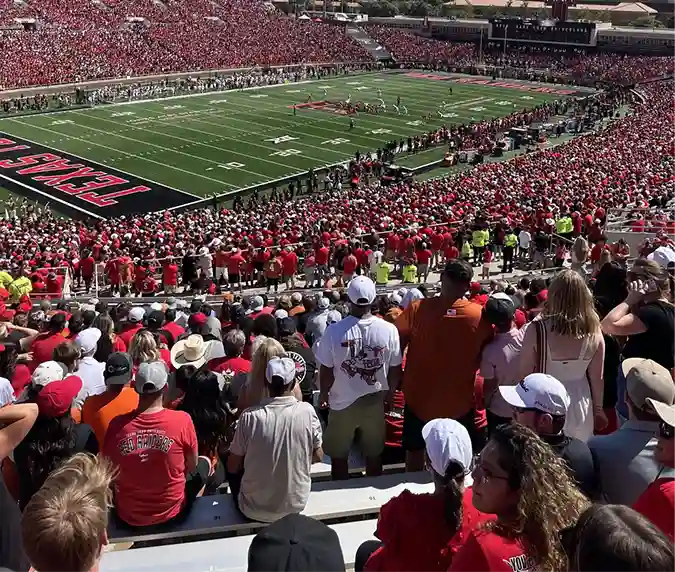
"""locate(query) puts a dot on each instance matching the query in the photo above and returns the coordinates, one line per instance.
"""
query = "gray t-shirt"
(277, 440)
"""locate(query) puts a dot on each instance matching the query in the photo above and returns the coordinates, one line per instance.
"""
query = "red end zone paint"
(321, 106)
(493, 83)
(27, 166)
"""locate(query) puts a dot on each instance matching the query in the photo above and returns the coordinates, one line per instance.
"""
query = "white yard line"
(191, 142)
(123, 153)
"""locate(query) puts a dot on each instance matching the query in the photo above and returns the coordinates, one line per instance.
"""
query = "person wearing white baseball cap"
(657, 503)
(360, 359)
(540, 402)
(274, 444)
(439, 521)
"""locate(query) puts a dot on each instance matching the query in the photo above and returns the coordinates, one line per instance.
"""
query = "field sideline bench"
(220, 555)
(356, 498)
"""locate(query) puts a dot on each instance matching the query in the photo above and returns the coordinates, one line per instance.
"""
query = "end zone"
(47, 174)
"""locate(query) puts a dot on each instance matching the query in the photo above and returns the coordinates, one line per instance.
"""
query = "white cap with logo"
(280, 367)
(361, 291)
(538, 391)
(446, 441)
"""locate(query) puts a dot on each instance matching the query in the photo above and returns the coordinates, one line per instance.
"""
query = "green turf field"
(220, 142)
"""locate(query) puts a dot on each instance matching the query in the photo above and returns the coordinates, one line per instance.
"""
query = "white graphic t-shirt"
(360, 353)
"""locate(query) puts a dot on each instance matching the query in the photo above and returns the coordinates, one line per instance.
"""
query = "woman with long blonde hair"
(254, 391)
(567, 343)
(143, 348)
(521, 480)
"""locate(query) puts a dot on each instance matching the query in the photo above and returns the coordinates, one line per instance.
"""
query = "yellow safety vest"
(569, 225)
(5, 278)
(478, 238)
(410, 273)
(19, 287)
(466, 249)
(511, 240)
(560, 226)
(382, 273)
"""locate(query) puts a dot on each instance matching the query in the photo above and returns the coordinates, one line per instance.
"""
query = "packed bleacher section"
(549, 64)
(86, 41)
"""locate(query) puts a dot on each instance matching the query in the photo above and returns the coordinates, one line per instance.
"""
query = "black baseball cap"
(297, 543)
(499, 309)
(117, 369)
(156, 319)
(286, 327)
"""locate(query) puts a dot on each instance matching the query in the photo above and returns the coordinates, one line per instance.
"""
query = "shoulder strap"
(541, 346)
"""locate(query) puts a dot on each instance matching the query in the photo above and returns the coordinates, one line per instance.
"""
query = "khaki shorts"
(366, 414)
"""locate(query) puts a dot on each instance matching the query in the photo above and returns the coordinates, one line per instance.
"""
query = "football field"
(184, 148)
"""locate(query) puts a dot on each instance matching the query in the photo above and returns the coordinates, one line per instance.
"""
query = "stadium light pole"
(506, 33)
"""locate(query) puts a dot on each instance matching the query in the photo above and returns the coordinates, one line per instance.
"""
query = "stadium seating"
(224, 554)
(217, 515)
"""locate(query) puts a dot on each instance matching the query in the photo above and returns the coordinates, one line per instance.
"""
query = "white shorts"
(221, 271)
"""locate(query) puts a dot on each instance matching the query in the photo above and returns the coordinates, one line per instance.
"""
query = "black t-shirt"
(12, 556)
(579, 459)
(658, 341)
(84, 441)
(305, 365)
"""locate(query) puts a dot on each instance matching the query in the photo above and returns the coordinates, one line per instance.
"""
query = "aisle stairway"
(376, 50)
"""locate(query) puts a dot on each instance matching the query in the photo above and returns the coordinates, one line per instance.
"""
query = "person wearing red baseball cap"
(54, 438)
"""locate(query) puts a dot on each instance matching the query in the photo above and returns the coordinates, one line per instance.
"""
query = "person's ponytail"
(453, 493)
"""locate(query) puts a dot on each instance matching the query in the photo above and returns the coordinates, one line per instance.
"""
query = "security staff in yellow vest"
(479, 238)
(382, 273)
(466, 250)
(510, 242)
(410, 272)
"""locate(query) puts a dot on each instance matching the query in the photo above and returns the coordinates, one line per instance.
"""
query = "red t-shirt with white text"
(487, 551)
(150, 451)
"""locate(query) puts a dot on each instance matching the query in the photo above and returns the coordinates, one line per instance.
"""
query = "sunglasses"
(666, 431)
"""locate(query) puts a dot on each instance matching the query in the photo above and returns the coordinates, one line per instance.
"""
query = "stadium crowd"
(547, 64)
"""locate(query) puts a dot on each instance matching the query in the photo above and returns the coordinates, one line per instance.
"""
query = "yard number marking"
(282, 139)
(477, 108)
(286, 152)
(259, 95)
(61, 122)
(170, 107)
(380, 131)
(338, 141)
(123, 114)
(232, 165)
(414, 123)
(503, 102)
(217, 101)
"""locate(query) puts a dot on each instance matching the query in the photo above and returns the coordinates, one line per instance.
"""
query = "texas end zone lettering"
(98, 188)
(47, 162)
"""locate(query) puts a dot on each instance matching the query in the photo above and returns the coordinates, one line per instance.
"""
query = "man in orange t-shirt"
(99, 410)
(444, 337)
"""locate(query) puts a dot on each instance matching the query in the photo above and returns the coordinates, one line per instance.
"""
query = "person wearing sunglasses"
(520, 479)
(657, 503)
(540, 402)
(615, 537)
(423, 531)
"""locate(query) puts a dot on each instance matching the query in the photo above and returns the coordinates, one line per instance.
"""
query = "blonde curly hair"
(549, 500)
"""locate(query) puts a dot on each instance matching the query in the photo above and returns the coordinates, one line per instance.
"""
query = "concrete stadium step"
(376, 50)
(223, 554)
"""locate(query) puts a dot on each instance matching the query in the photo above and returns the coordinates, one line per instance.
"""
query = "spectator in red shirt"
(233, 363)
(657, 503)
(423, 531)
(423, 257)
(235, 266)
(170, 275)
(519, 478)
(87, 267)
(133, 324)
(170, 324)
(155, 451)
(350, 263)
(290, 267)
(43, 345)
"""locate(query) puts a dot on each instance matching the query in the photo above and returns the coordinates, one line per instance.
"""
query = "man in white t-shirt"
(375, 258)
(275, 444)
(360, 359)
(524, 239)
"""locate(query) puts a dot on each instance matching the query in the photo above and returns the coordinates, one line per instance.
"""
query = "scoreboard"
(552, 32)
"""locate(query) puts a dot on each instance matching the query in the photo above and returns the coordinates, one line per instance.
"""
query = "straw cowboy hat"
(193, 350)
